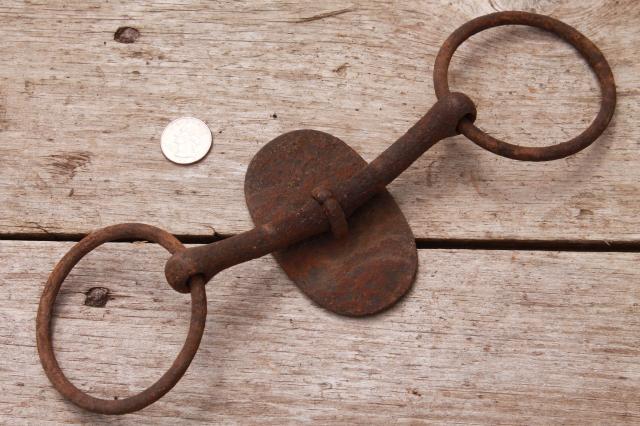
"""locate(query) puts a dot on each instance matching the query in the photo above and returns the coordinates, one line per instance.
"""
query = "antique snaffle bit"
(305, 183)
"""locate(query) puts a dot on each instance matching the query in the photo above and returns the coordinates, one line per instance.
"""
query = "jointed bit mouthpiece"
(316, 217)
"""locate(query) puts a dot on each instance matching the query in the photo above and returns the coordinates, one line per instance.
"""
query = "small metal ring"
(333, 211)
(582, 44)
(45, 312)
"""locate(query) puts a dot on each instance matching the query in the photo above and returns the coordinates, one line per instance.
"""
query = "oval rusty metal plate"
(363, 273)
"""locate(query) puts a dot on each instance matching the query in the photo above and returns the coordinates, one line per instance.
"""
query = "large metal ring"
(45, 312)
(587, 49)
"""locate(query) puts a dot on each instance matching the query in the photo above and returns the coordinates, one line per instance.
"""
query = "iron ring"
(45, 312)
(582, 44)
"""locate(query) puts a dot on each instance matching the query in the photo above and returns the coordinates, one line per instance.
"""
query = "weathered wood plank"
(485, 337)
(81, 115)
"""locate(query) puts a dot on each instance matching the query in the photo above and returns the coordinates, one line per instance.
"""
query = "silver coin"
(186, 140)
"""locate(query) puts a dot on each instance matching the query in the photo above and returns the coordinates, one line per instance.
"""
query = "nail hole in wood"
(126, 35)
(97, 297)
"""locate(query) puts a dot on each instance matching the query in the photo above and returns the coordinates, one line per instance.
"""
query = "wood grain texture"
(81, 115)
(487, 337)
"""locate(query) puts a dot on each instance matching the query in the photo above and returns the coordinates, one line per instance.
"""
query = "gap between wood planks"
(421, 243)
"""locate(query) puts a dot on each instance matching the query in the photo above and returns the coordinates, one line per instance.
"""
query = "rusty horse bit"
(305, 183)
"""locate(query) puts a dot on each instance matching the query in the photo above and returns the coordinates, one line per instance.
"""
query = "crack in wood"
(323, 16)
(421, 243)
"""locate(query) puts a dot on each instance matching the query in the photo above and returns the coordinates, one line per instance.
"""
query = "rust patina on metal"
(45, 312)
(361, 273)
(324, 213)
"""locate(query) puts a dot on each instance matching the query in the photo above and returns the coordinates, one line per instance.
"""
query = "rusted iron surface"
(307, 217)
(582, 44)
(333, 209)
(302, 185)
(45, 313)
(360, 273)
